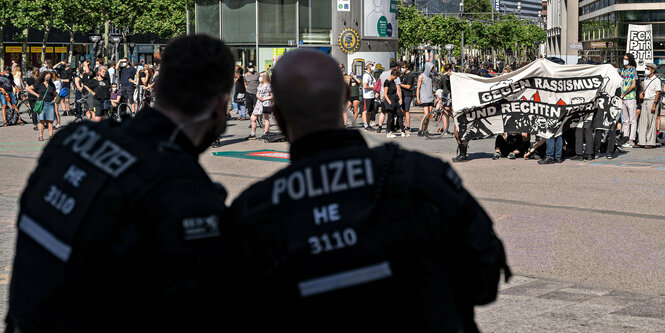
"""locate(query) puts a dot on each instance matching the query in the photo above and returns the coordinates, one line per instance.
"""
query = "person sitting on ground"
(511, 145)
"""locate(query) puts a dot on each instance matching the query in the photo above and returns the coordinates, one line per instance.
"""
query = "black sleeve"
(387, 84)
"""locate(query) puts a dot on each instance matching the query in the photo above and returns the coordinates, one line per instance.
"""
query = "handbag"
(240, 98)
(39, 105)
(64, 91)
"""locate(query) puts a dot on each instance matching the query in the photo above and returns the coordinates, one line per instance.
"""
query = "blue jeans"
(241, 111)
(553, 151)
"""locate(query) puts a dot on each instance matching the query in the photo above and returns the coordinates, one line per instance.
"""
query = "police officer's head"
(309, 93)
(193, 86)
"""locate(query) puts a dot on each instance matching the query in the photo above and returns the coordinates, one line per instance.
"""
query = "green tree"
(7, 16)
(74, 16)
(38, 14)
(165, 18)
(478, 9)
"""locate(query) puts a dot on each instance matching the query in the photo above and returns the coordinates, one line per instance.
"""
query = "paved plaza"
(586, 240)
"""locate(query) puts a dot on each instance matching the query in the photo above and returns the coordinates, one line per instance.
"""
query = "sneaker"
(558, 160)
(496, 156)
(511, 156)
(391, 135)
(251, 137)
(372, 124)
(420, 133)
(404, 134)
(628, 144)
(367, 128)
(588, 157)
(408, 131)
(609, 157)
(547, 160)
(378, 130)
(577, 158)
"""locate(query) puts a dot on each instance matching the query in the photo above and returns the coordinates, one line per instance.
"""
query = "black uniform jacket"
(119, 230)
(351, 238)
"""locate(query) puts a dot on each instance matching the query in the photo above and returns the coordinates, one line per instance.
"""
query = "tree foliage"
(507, 35)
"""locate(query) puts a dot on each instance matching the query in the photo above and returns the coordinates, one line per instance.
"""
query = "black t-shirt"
(40, 89)
(126, 74)
(410, 79)
(102, 88)
(392, 93)
(29, 82)
(240, 85)
(7, 82)
(87, 79)
(141, 77)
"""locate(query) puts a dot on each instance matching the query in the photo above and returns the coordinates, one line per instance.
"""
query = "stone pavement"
(585, 239)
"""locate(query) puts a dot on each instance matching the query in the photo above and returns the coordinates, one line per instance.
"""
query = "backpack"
(12, 117)
(377, 86)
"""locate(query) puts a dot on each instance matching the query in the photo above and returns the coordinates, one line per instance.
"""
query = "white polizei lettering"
(119, 162)
(333, 212)
(369, 172)
(297, 176)
(278, 187)
(324, 179)
(80, 132)
(74, 175)
(353, 169)
(320, 215)
(83, 145)
(311, 190)
(338, 166)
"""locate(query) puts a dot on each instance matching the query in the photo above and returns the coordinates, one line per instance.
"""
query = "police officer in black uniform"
(119, 228)
(352, 238)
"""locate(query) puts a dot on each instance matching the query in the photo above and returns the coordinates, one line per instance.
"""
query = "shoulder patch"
(200, 227)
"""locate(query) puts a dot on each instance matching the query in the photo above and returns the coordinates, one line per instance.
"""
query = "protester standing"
(126, 77)
(408, 81)
(31, 80)
(425, 96)
(368, 95)
(629, 99)
(392, 105)
(648, 116)
(383, 78)
(239, 94)
(263, 105)
(251, 86)
(100, 88)
(44, 90)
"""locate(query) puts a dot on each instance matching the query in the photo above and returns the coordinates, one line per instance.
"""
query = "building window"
(315, 21)
(207, 17)
(239, 21)
(277, 22)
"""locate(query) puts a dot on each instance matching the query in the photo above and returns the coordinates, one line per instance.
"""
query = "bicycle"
(144, 99)
(434, 123)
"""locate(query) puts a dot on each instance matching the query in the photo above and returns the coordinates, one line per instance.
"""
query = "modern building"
(526, 9)
(260, 31)
(436, 7)
(562, 36)
(603, 27)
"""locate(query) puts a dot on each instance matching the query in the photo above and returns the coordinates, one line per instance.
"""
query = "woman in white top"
(18, 81)
(58, 85)
(263, 106)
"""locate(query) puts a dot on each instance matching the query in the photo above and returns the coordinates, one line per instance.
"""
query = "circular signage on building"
(349, 40)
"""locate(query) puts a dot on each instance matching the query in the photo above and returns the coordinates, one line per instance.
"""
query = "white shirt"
(651, 86)
(368, 80)
(112, 74)
(58, 85)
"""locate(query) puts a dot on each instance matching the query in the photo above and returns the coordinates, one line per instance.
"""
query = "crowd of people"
(99, 91)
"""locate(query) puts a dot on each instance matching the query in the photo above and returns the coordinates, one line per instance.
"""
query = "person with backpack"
(7, 96)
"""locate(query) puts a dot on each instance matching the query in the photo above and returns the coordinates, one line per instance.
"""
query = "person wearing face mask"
(251, 86)
(112, 208)
(408, 81)
(368, 95)
(629, 96)
(116, 95)
(647, 122)
(44, 90)
(263, 105)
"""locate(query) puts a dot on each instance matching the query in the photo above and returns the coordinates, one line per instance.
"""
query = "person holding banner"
(629, 96)
(647, 123)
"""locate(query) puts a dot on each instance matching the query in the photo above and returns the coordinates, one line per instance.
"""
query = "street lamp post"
(94, 39)
(131, 51)
(519, 9)
(116, 42)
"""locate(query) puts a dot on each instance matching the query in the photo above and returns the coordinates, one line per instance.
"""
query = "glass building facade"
(260, 31)
(604, 24)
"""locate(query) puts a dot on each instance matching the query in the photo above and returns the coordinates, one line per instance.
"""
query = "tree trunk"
(125, 49)
(2, 47)
(24, 50)
(106, 41)
(47, 29)
(70, 57)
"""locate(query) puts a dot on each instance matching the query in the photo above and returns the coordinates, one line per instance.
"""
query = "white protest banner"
(542, 98)
(640, 44)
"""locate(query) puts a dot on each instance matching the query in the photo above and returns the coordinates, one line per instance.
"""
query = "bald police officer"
(349, 238)
(119, 228)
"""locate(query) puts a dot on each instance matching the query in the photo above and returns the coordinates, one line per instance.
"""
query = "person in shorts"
(100, 89)
(408, 81)
(425, 96)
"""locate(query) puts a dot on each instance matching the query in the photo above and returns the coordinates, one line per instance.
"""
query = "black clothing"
(239, 87)
(65, 74)
(29, 82)
(87, 78)
(102, 89)
(584, 135)
(419, 251)
(126, 74)
(409, 79)
(40, 88)
(7, 82)
(514, 141)
(392, 95)
(250, 102)
(134, 224)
